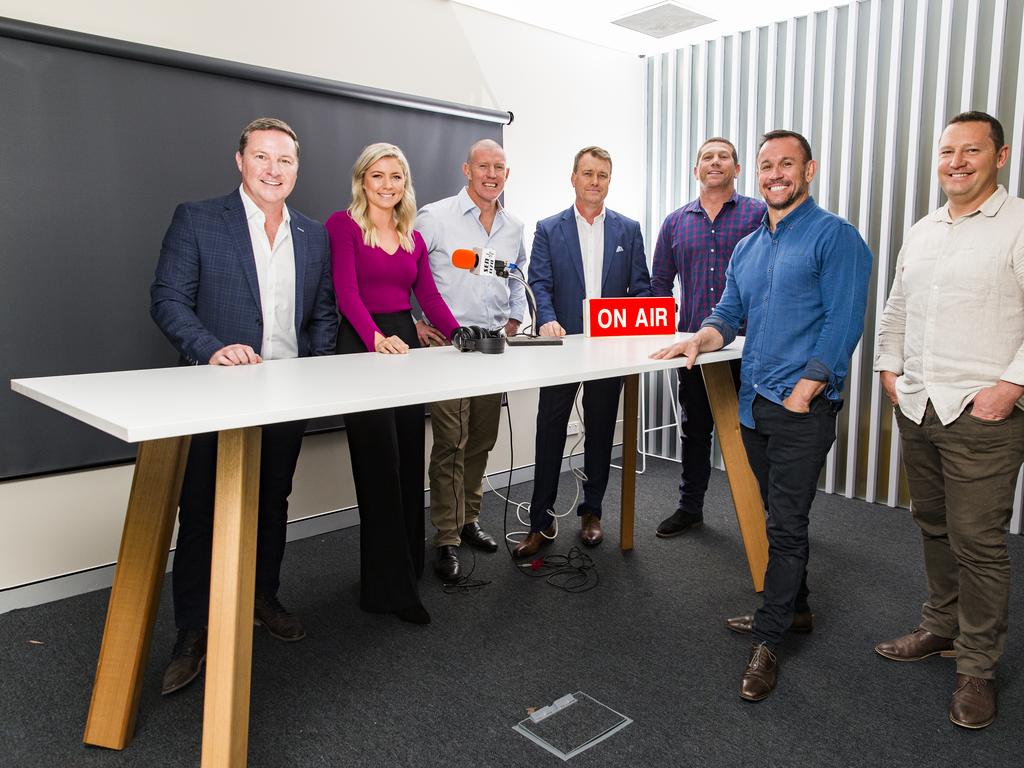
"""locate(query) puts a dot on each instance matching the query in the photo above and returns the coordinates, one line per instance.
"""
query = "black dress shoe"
(414, 614)
(446, 564)
(269, 613)
(679, 523)
(186, 660)
(478, 538)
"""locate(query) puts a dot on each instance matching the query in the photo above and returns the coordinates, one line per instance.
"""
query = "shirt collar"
(466, 203)
(579, 216)
(252, 210)
(794, 216)
(694, 205)
(989, 208)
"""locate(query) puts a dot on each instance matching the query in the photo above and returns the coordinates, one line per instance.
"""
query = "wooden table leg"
(630, 395)
(135, 596)
(746, 495)
(232, 580)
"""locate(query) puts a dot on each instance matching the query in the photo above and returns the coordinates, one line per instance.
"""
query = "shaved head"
(483, 144)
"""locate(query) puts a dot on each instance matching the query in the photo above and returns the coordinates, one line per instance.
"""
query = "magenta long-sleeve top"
(369, 280)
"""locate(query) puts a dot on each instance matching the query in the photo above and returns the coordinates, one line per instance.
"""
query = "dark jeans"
(279, 453)
(962, 478)
(786, 451)
(695, 428)
(600, 406)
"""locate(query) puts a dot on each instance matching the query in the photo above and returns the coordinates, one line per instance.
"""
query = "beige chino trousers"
(465, 431)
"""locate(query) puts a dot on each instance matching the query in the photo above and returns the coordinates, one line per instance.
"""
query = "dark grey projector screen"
(101, 140)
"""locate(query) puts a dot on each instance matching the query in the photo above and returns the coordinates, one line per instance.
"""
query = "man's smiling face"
(269, 167)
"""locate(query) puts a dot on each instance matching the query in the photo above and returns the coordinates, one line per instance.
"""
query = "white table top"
(187, 400)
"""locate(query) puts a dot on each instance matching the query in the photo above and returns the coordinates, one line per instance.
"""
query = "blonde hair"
(404, 213)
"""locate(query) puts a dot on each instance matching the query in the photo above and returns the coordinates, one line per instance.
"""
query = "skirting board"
(101, 577)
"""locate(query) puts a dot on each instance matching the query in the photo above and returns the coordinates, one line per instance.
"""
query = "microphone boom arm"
(514, 274)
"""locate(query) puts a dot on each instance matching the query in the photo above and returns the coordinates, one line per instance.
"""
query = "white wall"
(564, 93)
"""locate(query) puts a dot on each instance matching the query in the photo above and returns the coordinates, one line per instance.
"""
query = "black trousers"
(695, 427)
(600, 406)
(786, 451)
(386, 448)
(279, 453)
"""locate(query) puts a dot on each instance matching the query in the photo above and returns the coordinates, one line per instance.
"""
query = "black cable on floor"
(574, 571)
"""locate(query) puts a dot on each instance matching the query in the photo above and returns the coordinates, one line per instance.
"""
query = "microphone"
(483, 261)
(480, 261)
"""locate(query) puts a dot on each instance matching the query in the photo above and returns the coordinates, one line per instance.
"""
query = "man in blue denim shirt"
(800, 281)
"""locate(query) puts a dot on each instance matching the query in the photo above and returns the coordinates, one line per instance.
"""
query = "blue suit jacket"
(556, 266)
(206, 294)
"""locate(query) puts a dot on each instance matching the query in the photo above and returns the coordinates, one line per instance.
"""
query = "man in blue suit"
(242, 279)
(584, 252)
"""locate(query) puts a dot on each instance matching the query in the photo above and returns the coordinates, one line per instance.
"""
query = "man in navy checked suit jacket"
(585, 251)
(242, 278)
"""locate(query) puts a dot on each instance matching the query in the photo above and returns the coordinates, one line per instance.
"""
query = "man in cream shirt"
(950, 354)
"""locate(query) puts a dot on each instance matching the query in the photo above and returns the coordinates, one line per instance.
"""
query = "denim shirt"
(802, 290)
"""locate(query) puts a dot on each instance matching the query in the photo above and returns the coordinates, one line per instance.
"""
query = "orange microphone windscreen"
(463, 258)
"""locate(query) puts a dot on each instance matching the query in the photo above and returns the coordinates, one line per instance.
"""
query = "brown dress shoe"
(590, 530)
(186, 660)
(974, 702)
(760, 675)
(269, 613)
(802, 622)
(919, 644)
(531, 545)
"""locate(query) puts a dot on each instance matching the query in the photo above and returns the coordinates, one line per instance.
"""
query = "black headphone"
(473, 338)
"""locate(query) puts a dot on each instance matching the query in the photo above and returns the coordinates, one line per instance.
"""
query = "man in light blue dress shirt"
(465, 429)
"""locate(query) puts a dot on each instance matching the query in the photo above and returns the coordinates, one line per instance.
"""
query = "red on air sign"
(637, 316)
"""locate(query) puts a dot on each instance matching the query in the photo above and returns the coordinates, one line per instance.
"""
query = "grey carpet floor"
(648, 641)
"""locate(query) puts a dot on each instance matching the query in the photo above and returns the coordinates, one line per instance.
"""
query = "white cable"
(578, 474)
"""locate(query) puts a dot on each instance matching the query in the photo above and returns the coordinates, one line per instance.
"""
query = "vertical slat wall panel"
(864, 74)
(864, 224)
(909, 208)
(941, 88)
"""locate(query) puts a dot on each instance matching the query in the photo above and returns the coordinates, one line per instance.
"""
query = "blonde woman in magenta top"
(378, 261)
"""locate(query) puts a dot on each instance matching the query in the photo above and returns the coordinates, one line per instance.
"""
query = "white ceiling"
(591, 20)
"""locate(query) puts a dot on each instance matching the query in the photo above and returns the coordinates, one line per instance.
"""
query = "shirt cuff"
(816, 371)
(885, 362)
(727, 331)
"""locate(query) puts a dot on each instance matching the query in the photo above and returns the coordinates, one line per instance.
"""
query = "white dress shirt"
(275, 270)
(592, 250)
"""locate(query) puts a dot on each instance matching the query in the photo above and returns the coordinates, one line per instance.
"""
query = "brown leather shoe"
(802, 622)
(919, 644)
(974, 702)
(269, 613)
(590, 530)
(531, 545)
(186, 660)
(760, 675)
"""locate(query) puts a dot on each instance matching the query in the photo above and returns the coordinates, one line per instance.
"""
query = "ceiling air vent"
(663, 20)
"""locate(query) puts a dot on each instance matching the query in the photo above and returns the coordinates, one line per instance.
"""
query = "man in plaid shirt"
(695, 244)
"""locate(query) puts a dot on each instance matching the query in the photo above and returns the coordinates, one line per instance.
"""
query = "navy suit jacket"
(556, 266)
(206, 294)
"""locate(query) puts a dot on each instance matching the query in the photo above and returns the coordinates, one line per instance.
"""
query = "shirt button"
(712, 231)
(712, 269)
(712, 250)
